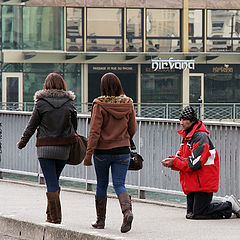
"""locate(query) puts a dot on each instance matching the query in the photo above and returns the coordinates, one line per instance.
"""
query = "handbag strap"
(133, 146)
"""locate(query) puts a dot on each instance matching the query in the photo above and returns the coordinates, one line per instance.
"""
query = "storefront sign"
(172, 64)
(116, 68)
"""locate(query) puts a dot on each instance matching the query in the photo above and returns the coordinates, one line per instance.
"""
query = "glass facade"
(222, 88)
(74, 29)
(104, 29)
(161, 87)
(118, 30)
(223, 29)
(195, 30)
(43, 28)
(134, 30)
(38, 28)
(12, 27)
(163, 30)
(34, 75)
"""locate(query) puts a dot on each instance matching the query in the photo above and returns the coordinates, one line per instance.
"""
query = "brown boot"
(54, 207)
(49, 219)
(126, 206)
(101, 204)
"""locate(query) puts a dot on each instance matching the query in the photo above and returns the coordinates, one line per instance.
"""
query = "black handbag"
(77, 151)
(136, 161)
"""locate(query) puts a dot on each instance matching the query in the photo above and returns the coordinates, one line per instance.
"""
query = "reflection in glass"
(11, 27)
(195, 89)
(161, 87)
(223, 23)
(35, 75)
(222, 88)
(163, 22)
(163, 30)
(12, 89)
(43, 28)
(134, 30)
(223, 45)
(195, 28)
(32, 82)
(163, 45)
(43, 67)
(74, 29)
(12, 67)
(102, 45)
(223, 30)
(104, 29)
(73, 81)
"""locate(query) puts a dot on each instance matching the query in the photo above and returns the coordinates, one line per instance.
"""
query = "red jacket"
(198, 161)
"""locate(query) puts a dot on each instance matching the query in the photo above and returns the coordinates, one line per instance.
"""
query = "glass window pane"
(163, 22)
(74, 29)
(195, 25)
(73, 81)
(195, 28)
(43, 28)
(195, 89)
(161, 87)
(195, 45)
(223, 45)
(12, 27)
(163, 45)
(223, 23)
(32, 83)
(134, 30)
(102, 45)
(12, 67)
(12, 89)
(43, 67)
(110, 18)
(222, 88)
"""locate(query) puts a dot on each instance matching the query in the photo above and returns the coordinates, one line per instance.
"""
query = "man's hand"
(167, 162)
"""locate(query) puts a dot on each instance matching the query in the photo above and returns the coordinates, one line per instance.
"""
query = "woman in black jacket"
(55, 118)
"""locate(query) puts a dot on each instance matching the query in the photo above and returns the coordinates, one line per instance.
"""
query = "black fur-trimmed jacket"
(55, 118)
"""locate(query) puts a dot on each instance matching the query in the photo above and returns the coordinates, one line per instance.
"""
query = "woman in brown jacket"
(113, 124)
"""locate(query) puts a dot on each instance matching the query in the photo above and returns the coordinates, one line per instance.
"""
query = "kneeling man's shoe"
(235, 205)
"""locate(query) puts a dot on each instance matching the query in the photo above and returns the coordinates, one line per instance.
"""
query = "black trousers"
(200, 204)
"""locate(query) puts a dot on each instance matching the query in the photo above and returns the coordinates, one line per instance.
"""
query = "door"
(197, 91)
(12, 91)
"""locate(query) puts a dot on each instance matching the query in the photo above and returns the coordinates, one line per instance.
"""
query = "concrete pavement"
(22, 214)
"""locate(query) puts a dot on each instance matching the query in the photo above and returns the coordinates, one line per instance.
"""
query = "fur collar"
(53, 93)
(112, 99)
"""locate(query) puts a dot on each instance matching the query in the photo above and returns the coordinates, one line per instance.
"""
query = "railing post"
(167, 110)
(234, 111)
(139, 172)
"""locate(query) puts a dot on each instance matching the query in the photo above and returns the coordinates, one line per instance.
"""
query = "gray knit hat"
(188, 113)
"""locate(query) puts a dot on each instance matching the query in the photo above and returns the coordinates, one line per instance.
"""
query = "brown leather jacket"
(113, 124)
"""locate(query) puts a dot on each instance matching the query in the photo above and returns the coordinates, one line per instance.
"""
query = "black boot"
(126, 206)
(101, 204)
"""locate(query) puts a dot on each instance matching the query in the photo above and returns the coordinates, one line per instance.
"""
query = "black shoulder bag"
(136, 161)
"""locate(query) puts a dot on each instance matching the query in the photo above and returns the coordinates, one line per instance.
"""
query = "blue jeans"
(52, 169)
(119, 165)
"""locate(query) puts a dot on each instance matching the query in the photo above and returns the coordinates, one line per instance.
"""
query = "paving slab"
(22, 214)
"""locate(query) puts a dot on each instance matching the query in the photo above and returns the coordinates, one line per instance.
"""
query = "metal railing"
(155, 140)
(207, 111)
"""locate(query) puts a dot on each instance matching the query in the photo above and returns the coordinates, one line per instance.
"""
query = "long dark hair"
(55, 81)
(111, 85)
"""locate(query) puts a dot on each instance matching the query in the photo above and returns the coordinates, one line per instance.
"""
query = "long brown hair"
(111, 85)
(55, 81)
